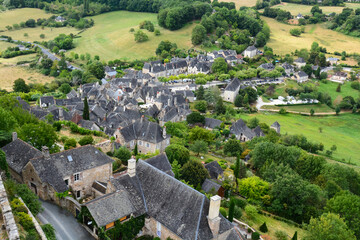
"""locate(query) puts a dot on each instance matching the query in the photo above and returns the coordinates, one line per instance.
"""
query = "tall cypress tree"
(231, 210)
(86, 114)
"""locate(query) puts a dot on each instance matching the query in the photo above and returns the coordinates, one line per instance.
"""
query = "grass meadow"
(295, 9)
(318, 108)
(11, 17)
(342, 130)
(282, 42)
(241, 3)
(110, 37)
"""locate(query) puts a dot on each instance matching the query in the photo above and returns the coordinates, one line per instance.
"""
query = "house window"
(140, 143)
(67, 182)
(76, 177)
(147, 145)
(78, 194)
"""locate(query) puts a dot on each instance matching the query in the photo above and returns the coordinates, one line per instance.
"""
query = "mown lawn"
(110, 37)
(282, 42)
(346, 90)
(343, 131)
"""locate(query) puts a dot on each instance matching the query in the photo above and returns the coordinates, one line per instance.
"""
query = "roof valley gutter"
(198, 224)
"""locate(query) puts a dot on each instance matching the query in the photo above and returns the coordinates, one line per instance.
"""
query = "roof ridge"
(198, 224)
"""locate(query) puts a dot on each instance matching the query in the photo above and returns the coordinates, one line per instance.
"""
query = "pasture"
(282, 42)
(241, 3)
(11, 17)
(340, 130)
(110, 37)
(295, 9)
(318, 108)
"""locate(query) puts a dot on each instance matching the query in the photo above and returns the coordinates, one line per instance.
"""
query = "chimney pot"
(213, 217)
(45, 151)
(132, 167)
(14, 136)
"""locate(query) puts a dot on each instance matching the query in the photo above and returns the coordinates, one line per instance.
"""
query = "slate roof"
(212, 123)
(209, 186)
(233, 86)
(143, 130)
(258, 132)
(239, 127)
(251, 48)
(275, 124)
(267, 66)
(55, 169)
(181, 209)
(300, 60)
(162, 163)
(18, 154)
(214, 169)
(302, 74)
(100, 186)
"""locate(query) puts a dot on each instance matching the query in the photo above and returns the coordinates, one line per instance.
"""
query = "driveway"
(66, 226)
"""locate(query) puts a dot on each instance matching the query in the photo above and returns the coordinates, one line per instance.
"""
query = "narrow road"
(66, 226)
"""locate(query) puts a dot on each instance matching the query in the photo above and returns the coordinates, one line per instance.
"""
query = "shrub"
(263, 228)
(70, 143)
(63, 139)
(281, 235)
(255, 236)
(241, 203)
(49, 231)
(86, 140)
(57, 126)
(25, 221)
(251, 211)
(123, 154)
(18, 206)
(157, 32)
(237, 213)
(282, 111)
(295, 32)
(140, 36)
(30, 199)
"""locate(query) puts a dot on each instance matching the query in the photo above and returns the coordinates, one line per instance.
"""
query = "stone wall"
(9, 221)
(36, 224)
(106, 146)
(150, 228)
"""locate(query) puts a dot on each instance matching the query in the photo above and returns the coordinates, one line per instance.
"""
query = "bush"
(255, 236)
(49, 231)
(86, 140)
(263, 228)
(282, 111)
(237, 213)
(123, 154)
(140, 36)
(241, 203)
(70, 143)
(57, 126)
(63, 139)
(295, 32)
(251, 211)
(30, 199)
(281, 235)
(25, 221)
(355, 85)
(18, 206)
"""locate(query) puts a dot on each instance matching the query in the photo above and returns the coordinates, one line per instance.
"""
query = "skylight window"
(69, 157)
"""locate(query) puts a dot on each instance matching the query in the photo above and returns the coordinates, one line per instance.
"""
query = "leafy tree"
(200, 93)
(254, 189)
(219, 66)
(178, 153)
(195, 117)
(198, 133)
(30, 23)
(166, 46)
(199, 146)
(86, 113)
(310, 166)
(20, 86)
(347, 205)
(198, 34)
(253, 122)
(328, 227)
(338, 89)
(194, 173)
(233, 148)
(176, 167)
(295, 32)
(3, 163)
(86, 140)
(255, 236)
(39, 135)
(211, 96)
(140, 36)
(337, 110)
(65, 88)
(201, 106)
(123, 154)
(219, 107)
(177, 129)
(97, 69)
(70, 143)
(7, 120)
(312, 112)
(263, 228)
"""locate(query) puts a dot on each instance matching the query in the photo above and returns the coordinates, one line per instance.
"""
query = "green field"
(111, 39)
(343, 131)
(295, 9)
(282, 42)
(11, 17)
(346, 90)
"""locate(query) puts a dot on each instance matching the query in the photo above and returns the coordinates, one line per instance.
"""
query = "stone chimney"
(14, 136)
(45, 151)
(175, 101)
(61, 114)
(132, 167)
(169, 102)
(164, 132)
(213, 217)
(142, 118)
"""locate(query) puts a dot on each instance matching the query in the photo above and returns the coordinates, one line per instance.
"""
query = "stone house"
(340, 77)
(267, 66)
(60, 19)
(46, 101)
(211, 123)
(180, 213)
(75, 169)
(213, 187)
(276, 126)
(258, 132)
(241, 131)
(110, 73)
(232, 90)
(301, 76)
(289, 69)
(300, 62)
(332, 60)
(18, 153)
(148, 136)
(250, 52)
(196, 66)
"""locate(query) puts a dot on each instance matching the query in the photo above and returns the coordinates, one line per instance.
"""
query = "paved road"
(66, 226)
